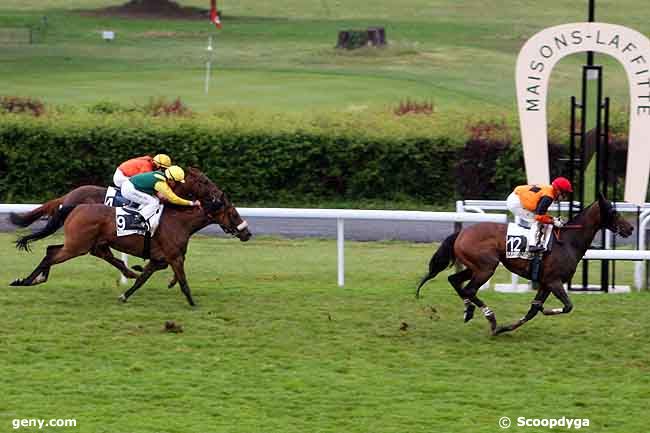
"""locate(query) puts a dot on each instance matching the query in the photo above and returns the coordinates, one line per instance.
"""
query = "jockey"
(531, 203)
(142, 187)
(143, 164)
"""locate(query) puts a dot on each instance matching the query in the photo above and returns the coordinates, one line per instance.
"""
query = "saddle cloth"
(125, 224)
(114, 198)
(517, 241)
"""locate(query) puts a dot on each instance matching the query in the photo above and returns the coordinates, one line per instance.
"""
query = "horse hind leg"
(456, 280)
(470, 290)
(54, 254)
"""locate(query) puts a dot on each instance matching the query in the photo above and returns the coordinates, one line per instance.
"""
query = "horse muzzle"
(242, 232)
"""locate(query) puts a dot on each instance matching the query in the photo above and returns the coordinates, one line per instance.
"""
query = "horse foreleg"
(563, 296)
(535, 307)
(148, 270)
(178, 265)
(104, 253)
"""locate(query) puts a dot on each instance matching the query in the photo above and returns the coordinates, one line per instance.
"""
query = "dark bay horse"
(83, 194)
(90, 228)
(481, 247)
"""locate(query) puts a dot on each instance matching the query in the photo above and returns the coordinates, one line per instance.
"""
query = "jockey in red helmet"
(531, 203)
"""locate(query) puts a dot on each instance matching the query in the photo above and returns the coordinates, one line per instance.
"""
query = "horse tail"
(441, 260)
(53, 224)
(27, 218)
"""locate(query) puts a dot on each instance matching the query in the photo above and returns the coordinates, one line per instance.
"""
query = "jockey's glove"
(558, 222)
(544, 219)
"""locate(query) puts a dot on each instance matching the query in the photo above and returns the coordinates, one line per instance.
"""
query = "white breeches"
(514, 205)
(149, 202)
(119, 178)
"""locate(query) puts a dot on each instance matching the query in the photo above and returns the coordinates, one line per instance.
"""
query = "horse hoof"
(469, 313)
(122, 298)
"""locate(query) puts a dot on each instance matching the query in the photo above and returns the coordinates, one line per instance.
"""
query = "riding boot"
(536, 270)
(537, 245)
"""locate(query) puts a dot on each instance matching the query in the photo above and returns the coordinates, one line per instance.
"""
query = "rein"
(558, 230)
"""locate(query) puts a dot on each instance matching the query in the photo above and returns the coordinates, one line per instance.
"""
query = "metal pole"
(208, 66)
(591, 18)
(583, 158)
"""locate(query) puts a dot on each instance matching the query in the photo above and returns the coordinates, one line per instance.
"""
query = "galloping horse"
(482, 246)
(84, 194)
(90, 228)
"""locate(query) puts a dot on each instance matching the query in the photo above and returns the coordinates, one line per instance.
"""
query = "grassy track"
(276, 346)
(279, 55)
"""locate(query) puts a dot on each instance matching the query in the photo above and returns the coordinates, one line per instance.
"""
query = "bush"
(110, 107)
(17, 104)
(271, 158)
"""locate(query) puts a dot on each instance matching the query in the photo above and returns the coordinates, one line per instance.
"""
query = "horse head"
(611, 219)
(216, 204)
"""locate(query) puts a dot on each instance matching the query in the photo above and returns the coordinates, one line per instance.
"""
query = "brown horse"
(83, 194)
(482, 246)
(90, 228)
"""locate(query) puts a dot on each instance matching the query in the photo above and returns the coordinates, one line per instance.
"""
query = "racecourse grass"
(276, 346)
(280, 55)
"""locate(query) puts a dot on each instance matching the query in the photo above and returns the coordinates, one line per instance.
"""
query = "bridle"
(220, 204)
(224, 206)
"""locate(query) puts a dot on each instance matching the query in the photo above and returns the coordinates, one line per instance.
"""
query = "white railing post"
(125, 259)
(639, 274)
(340, 236)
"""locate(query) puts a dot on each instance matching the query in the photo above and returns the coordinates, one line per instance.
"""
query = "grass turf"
(280, 55)
(276, 346)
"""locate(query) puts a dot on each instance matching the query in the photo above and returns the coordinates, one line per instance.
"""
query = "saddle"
(114, 198)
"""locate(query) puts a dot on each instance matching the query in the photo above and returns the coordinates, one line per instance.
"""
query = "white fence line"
(340, 215)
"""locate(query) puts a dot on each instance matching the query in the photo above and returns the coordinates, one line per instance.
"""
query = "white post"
(639, 267)
(125, 259)
(339, 247)
(208, 66)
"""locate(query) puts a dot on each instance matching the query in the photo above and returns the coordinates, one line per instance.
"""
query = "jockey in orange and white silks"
(142, 164)
(531, 203)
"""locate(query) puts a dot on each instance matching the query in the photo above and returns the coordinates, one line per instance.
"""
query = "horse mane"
(198, 186)
(196, 176)
(579, 217)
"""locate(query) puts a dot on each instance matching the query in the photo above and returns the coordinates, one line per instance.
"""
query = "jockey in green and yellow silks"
(143, 188)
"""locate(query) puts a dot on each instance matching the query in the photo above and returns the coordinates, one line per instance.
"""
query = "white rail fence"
(476, 214)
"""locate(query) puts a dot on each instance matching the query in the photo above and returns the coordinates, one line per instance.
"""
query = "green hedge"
(270, 158)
